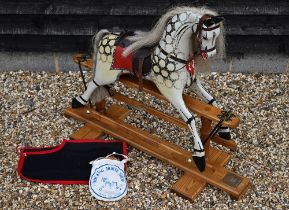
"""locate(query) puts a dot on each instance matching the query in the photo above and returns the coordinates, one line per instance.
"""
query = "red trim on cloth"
(124, 151)
(53, 149)
(119, 61)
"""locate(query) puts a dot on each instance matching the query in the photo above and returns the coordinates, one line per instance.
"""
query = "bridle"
(197, 35)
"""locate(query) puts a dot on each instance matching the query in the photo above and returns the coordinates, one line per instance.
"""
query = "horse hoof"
(226, 136)
(200, 162)
(76, 104)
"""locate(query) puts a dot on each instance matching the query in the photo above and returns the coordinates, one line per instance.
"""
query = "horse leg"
(223, 132)
(83, 99)
(175, 97)
(103, 76)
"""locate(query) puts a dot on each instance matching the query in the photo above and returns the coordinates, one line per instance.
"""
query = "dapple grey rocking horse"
(180, 42)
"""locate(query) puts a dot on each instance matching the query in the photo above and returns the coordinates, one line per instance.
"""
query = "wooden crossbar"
(200, 108)
(231, 144)
(89, 132)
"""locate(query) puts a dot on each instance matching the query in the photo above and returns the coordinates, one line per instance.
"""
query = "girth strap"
(142, 64)
(171, 56)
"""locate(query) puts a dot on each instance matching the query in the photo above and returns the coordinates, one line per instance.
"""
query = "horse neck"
(177, 37)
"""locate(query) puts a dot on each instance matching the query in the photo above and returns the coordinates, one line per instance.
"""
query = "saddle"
(141, 59)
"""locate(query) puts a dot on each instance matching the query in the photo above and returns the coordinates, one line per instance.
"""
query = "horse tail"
(95, 40)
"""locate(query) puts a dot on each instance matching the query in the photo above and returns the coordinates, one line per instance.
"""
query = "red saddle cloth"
(121, 62)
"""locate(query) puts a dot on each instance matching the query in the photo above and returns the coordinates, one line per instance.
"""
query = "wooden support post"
(100, 106)
(205, 130)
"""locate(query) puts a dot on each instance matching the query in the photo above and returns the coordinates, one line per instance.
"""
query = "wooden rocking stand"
(193, 181)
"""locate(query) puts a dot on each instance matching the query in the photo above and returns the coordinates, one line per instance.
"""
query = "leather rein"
(198, 36)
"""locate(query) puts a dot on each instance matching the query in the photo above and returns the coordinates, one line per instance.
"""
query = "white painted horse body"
(170, 59)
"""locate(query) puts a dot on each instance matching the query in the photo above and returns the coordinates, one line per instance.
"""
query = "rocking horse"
(163, 62)
(167, 55)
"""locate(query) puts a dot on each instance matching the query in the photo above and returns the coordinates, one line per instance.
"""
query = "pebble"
(32, 105)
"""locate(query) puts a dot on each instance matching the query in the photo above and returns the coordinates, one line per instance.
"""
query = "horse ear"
(218, 19)
(209, 22)
(213, 20)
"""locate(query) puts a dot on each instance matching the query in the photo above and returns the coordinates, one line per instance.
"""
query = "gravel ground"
(32, 107)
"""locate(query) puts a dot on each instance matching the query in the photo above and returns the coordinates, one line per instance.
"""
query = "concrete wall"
(44, 34)
(55, 62)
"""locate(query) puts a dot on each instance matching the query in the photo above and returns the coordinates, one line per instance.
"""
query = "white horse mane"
(152, 37)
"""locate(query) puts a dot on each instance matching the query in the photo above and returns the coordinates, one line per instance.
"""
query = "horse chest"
(166, 71)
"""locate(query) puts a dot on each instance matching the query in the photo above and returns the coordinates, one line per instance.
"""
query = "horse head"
(206, 32)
